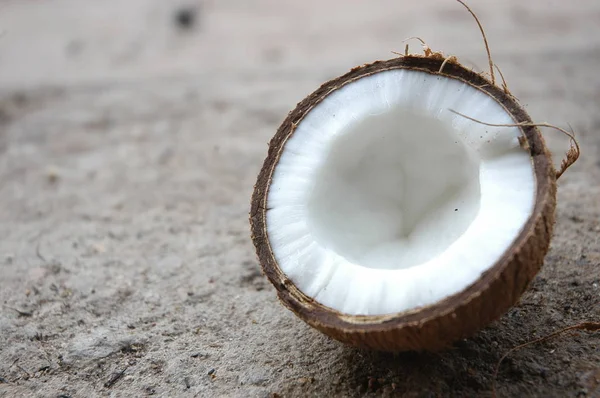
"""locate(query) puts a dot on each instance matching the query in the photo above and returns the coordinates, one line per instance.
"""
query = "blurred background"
(242, 50)
(131, 134)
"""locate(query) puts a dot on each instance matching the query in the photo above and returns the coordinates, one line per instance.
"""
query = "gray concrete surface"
(128, 151)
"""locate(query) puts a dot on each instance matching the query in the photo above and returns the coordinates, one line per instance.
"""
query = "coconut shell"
(458, 316)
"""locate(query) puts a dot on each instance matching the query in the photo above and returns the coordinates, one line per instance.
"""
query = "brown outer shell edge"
(460, 315)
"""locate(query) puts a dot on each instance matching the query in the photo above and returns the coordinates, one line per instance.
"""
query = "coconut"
(405, 204)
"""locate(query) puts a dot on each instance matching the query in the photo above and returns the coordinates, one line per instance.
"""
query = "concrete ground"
(131, 137)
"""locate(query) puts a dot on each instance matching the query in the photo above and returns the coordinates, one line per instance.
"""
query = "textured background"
(128, 151)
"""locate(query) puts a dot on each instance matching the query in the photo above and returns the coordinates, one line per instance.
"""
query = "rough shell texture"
(436, 326)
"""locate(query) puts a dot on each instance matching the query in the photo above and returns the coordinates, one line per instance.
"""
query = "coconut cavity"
(383, 200)
(395, 190)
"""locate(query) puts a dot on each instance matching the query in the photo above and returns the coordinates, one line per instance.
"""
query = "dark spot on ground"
(186, 17)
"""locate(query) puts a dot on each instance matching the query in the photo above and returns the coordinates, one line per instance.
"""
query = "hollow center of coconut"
(395, 190)
(384, 201)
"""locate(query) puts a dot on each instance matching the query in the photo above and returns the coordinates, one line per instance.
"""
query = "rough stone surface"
(128, 151)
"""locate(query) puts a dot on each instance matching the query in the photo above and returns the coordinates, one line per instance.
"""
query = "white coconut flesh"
(384, 201)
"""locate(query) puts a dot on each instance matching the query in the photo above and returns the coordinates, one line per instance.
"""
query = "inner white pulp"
(384, 201)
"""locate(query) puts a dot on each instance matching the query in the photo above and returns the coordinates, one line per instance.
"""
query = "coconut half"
(387, 221)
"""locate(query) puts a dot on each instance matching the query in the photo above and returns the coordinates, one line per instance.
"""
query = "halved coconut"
(387, 221)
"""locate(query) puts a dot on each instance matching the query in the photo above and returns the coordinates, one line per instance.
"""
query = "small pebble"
(52, 174)
(185, 18)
